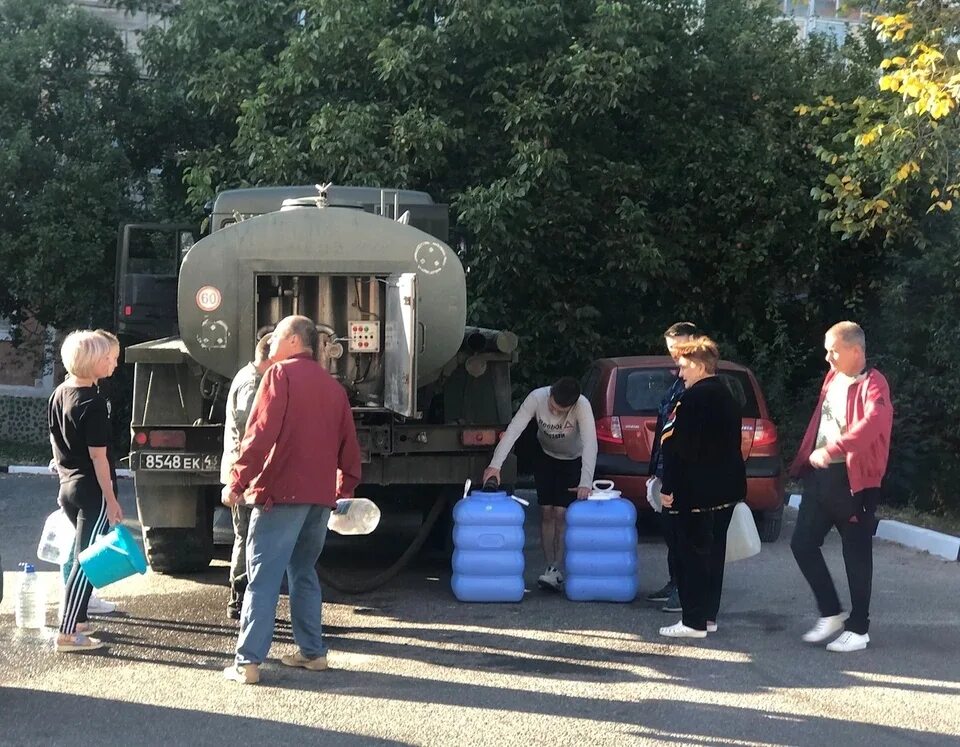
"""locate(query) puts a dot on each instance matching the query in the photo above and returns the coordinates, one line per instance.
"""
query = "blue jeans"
(283, 538)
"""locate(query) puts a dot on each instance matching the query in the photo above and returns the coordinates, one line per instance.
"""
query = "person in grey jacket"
(240, 398)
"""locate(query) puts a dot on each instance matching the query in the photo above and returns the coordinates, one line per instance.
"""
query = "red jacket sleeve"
(800, 462)
(263, 428)
(877, 420)
(348, 459)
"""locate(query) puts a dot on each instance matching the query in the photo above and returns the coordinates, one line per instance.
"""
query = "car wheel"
(769, 525)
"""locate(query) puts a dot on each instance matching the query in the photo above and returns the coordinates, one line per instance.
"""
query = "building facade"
(831, 17)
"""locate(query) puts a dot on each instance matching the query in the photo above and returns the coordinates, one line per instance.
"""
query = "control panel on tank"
(364, 337)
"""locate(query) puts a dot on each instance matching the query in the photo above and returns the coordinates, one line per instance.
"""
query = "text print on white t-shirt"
(556, 431)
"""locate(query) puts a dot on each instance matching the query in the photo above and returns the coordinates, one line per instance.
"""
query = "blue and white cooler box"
(601, 547)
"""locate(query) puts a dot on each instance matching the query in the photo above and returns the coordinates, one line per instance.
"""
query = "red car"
(625, 394)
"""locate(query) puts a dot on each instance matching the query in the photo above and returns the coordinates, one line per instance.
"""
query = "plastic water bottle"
(31, 609)
(354, 516)
(57, 538)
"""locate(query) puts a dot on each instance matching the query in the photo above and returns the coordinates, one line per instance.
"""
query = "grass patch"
(16, 452)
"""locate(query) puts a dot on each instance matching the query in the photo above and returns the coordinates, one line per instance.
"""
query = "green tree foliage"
(889, 175)
(612, 166)
(67, 103)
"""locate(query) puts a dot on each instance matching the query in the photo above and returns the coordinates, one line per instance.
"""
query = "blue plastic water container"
(601, 548)
(488, 543)
(114, 556)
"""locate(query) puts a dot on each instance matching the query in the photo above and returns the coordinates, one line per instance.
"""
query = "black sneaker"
(664, 594)
(673, 603)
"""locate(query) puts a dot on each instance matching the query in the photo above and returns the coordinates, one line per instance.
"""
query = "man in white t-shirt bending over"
(563, 468)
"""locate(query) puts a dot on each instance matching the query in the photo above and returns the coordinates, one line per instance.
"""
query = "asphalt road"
(413, 666)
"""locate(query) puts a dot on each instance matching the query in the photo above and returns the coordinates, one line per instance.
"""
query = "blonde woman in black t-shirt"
(81, 438)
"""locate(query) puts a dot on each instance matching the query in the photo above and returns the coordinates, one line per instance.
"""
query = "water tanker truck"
(372, 268)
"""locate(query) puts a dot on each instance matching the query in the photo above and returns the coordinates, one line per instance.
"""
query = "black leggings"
(701, 547)
(82, 501)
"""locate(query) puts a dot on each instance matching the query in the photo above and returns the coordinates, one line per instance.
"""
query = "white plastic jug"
(354, 516)
(603, 491)
(743, 541)
(58, 537)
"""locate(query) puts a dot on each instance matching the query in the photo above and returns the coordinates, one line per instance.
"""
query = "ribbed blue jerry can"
(601, 547)
(488, 543)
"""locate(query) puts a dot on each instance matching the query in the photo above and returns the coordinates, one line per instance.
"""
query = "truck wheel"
(186, 550)
(770, 524)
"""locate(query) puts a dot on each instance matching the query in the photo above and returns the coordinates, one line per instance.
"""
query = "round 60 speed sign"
(209, 298)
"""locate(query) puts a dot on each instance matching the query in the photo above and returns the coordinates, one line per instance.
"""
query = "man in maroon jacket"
(842, 460)
(299, 433)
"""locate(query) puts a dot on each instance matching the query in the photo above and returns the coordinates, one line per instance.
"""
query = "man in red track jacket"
(842, 461)
(299, 434)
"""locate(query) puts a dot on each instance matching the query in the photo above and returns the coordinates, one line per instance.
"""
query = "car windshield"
(640, 390)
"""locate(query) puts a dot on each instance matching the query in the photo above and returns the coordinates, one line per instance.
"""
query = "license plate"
(180, 462)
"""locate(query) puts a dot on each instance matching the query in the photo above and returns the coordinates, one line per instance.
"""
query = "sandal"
(77, 642)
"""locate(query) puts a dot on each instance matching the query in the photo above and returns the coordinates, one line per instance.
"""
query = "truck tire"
(769, 525)
(186, 550)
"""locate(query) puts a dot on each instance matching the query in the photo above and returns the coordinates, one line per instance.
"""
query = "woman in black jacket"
(703, 479)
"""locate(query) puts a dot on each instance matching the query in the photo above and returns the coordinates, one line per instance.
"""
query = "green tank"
(373, 270)
(336, 265)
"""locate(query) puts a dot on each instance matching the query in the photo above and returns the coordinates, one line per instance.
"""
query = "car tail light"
(168, 439)
(479, 437)
(609, 430)
(128, 310)
(140, 438)
(765, 434)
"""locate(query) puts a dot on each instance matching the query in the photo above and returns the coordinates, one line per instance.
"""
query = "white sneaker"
(849, 642)
(679, 630)
(711, 627)
(98, 606)
(551, 579)
(825, 627)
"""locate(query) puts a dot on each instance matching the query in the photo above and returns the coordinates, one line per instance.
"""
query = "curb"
(942, 545)
(36, 469)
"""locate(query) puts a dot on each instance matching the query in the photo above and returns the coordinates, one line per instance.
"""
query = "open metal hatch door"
(400, 345)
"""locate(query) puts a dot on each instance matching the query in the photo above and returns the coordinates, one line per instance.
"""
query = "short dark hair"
(565, 391)
(263, 349)
(682, 329)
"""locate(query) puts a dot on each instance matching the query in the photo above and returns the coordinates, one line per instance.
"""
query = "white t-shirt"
(570, 435)
(833, 412)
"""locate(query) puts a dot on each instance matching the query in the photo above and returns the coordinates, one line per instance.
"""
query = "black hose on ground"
(371, 583)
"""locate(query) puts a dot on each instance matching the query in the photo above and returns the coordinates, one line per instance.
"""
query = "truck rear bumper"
(168, 498)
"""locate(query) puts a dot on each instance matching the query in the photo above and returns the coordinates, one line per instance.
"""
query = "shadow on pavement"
(122, 723)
